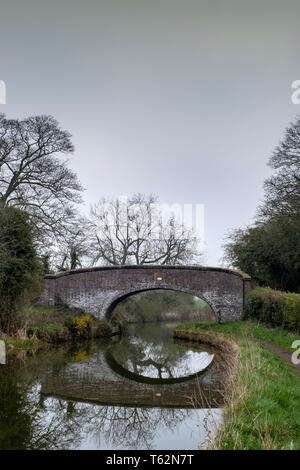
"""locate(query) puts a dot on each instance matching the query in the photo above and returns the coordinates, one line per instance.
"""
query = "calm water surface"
(140, 391)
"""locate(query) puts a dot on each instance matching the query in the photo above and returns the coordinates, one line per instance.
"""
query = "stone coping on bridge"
(191, 267)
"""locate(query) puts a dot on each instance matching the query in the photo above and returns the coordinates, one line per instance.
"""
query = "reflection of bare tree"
(49, 427)
(25, 422)
(59, 424)
(120, 427)
(123, 427)
(161, 367)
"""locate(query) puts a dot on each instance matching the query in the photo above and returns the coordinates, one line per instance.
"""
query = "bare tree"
(134, 232)
(73, 250)
(32, 177)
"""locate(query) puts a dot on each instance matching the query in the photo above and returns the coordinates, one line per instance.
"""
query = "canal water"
(139, 391)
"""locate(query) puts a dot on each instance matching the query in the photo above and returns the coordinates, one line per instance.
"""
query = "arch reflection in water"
(106, 377)
(134, 414)
(73, 399)
(148, 352)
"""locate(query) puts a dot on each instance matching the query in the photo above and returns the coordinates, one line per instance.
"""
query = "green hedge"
(276, 308)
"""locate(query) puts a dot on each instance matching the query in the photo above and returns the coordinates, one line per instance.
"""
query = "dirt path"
(283, 353)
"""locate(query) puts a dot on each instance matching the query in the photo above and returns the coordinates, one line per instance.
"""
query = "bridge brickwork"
(97, 290)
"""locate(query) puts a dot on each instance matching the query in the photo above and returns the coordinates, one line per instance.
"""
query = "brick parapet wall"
(96, 290)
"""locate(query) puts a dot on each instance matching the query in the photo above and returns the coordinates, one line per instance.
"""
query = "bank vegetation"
(262, 398)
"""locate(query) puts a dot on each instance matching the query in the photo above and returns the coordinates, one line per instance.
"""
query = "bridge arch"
(96, 290)
(119, 298)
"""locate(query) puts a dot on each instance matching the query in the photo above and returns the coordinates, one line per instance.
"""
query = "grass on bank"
(262, 404)
(277, 336)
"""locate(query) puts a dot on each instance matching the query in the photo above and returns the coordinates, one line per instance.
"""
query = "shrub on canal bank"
(276, 308)
(79, 327)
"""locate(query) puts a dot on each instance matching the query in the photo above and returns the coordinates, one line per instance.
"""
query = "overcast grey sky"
(185, 99)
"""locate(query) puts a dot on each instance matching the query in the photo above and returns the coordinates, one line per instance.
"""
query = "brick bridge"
(98, 290)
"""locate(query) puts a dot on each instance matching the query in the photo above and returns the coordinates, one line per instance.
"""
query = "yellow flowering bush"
(80, 325)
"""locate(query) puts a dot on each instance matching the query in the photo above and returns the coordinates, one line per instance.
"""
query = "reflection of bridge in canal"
(101, 380)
